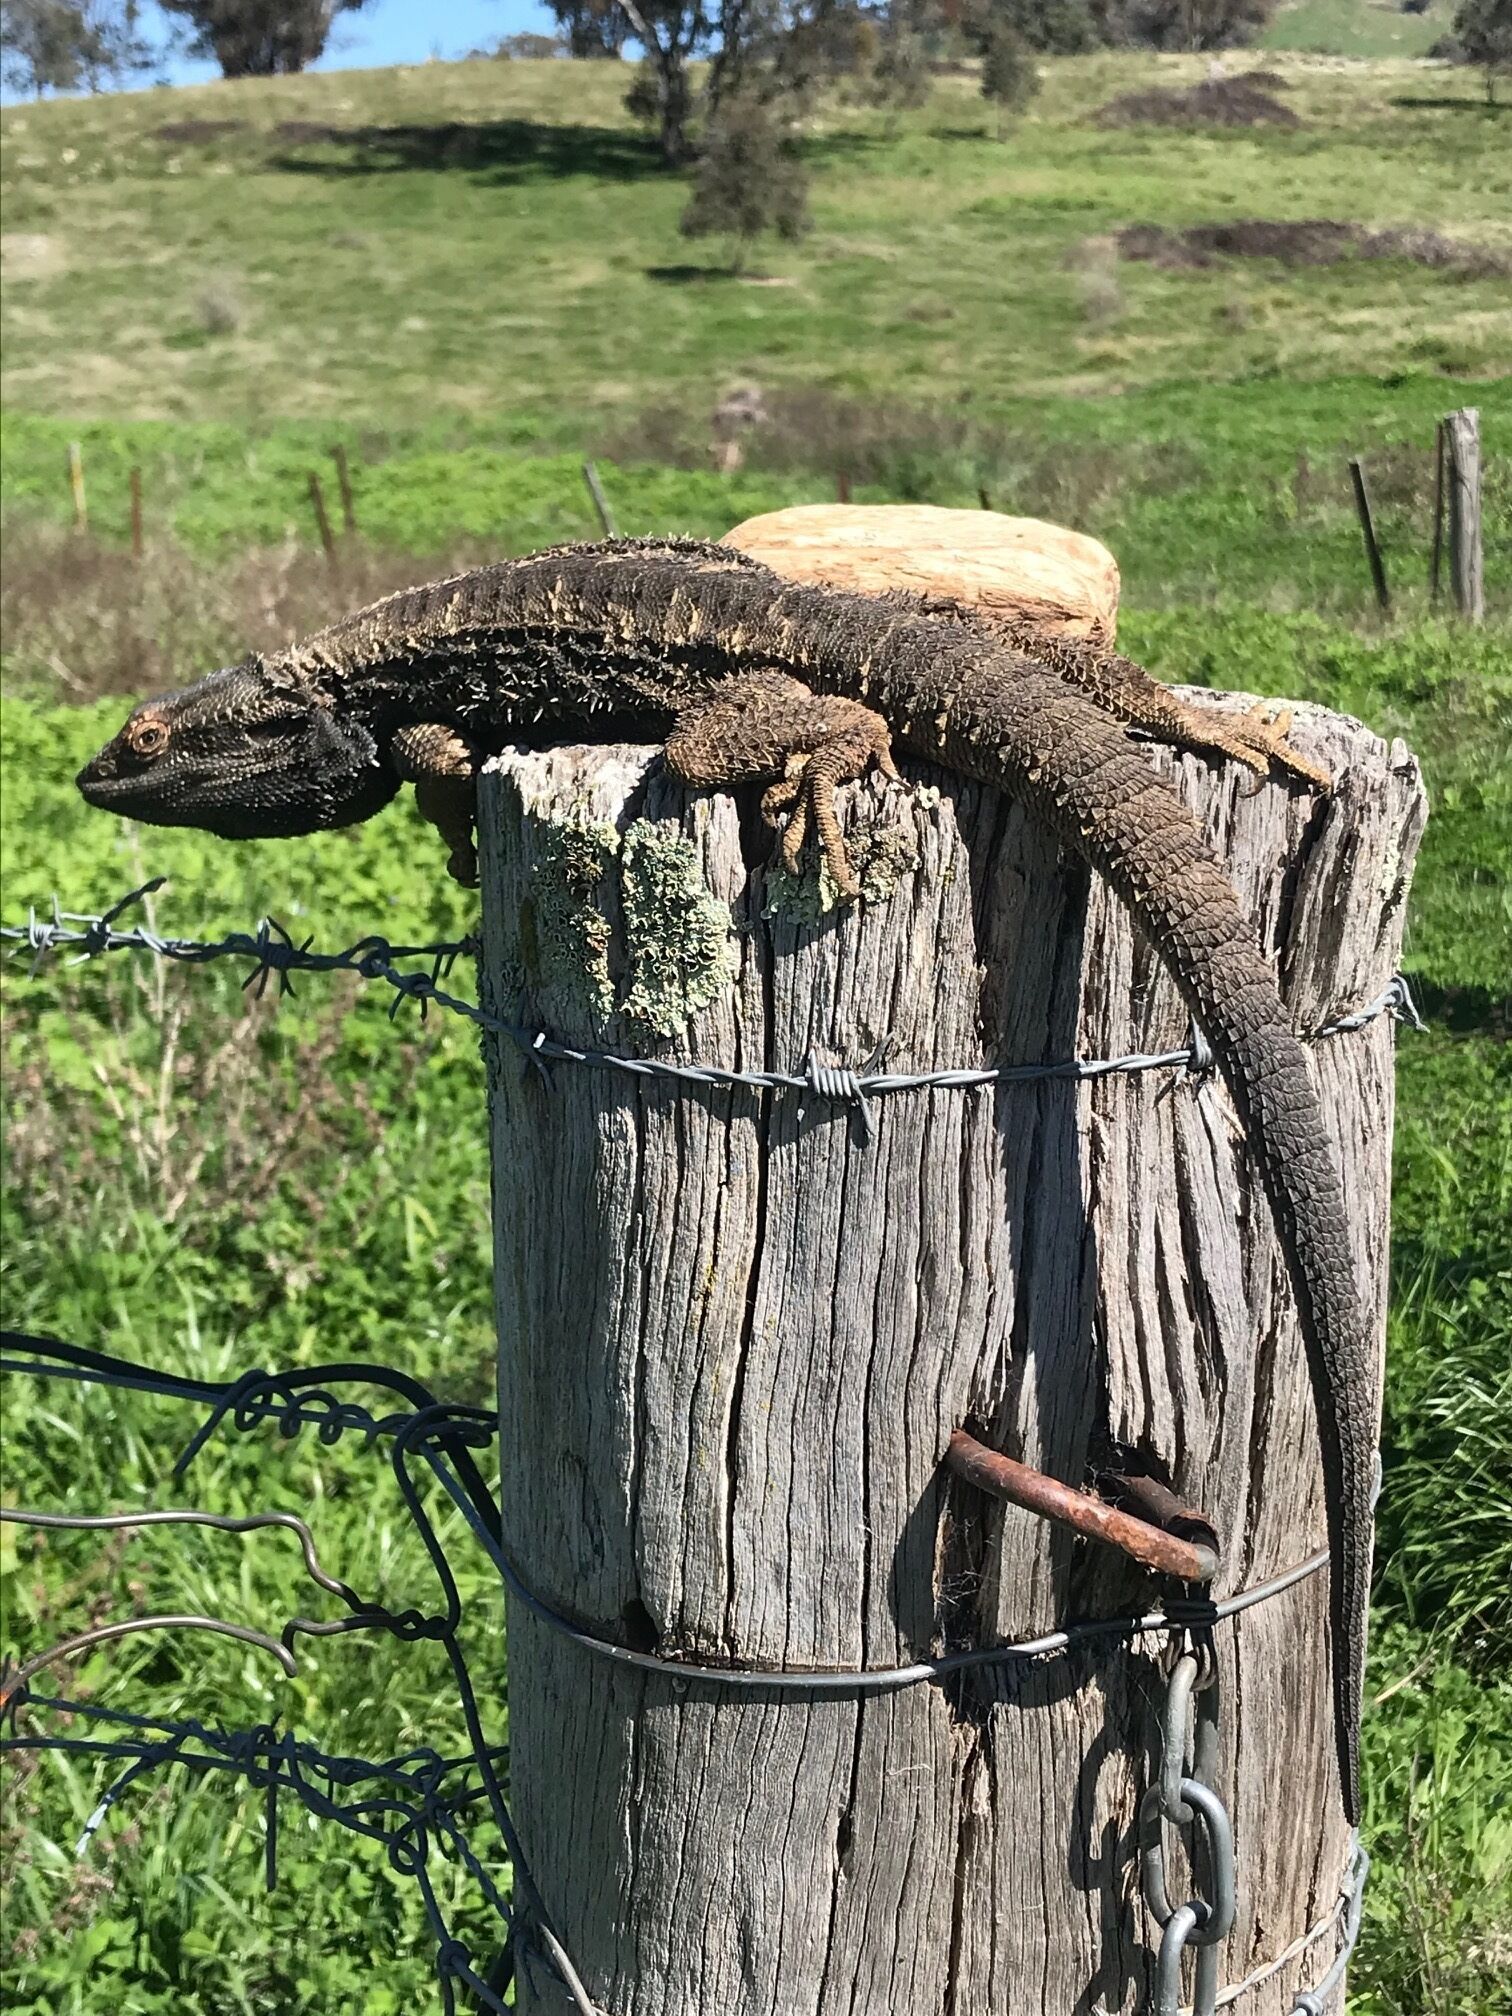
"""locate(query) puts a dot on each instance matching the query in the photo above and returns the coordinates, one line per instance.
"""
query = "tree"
(1186, 24)
(899, 75)
(259, 38)
(57, 45)
(1053, 27)
(1483, 30)
(787, 51)
(671, 33)
(1010, 77)
(776, 51)
(749, 179)
(591, 28)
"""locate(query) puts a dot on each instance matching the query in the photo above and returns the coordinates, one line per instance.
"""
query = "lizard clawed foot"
(1257, 739)
(766, 724)
(806, 793)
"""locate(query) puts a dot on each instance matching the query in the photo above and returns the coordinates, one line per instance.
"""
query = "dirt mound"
(308, 132)
(1219, 101)
(198, 132)
(1306, 241)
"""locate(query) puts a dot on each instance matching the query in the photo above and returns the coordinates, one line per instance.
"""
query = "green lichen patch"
(563, 932)
(678, 936)
(880, 855)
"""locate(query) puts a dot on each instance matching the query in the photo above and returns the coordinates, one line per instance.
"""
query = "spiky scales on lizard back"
(750, 677)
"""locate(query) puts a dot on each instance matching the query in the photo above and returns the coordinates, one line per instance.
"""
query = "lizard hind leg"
(767, 725)
(1257, 739)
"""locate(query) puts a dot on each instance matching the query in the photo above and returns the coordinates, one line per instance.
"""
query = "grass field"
(431, 258)
(486, 286)
(1374, 28)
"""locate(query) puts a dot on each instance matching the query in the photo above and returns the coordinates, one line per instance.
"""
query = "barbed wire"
(275, 953)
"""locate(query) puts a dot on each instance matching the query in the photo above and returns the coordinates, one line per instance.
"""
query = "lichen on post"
(735, 1338)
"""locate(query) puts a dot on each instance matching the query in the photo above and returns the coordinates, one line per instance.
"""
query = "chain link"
(1181, 1796)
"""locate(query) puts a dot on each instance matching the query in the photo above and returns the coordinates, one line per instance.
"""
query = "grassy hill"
(469, 276)
(1370, 28)
(495, 241)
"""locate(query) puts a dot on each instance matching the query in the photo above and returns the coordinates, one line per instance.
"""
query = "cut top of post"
(1015, 570)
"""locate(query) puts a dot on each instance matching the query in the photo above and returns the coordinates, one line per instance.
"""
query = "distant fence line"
(1456, 504)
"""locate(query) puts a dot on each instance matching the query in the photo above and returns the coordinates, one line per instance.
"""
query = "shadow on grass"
(1464, 1011)
(504, 150)
(691, 276)
(1410, 104)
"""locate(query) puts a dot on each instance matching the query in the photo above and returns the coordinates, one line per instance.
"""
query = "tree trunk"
(735, 1339)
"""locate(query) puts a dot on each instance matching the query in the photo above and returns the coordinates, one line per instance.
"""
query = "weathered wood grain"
(734, 1342)
(1015, 570)
(1462, 449)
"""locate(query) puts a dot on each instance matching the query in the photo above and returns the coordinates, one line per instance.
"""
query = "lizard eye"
(147, 738)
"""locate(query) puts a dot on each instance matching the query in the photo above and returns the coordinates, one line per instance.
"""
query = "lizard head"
(251, 753)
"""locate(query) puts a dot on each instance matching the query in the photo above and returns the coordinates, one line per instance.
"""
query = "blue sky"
(388, 31)
(396, 31)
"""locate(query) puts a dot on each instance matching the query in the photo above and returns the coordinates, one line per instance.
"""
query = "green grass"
(1234, 495)
(468, 313)
(1368, 28)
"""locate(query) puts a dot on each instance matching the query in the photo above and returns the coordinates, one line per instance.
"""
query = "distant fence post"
(138, 540)
(322, 518)
(1368, 532)
(76, 487)
(344, 482)
(600, 501)
(1462, 450)
(737, 1329)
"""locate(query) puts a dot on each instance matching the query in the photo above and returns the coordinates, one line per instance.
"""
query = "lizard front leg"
(443, 767)
(767, 725)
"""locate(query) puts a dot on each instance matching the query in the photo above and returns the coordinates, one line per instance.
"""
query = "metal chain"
(1181, 1795)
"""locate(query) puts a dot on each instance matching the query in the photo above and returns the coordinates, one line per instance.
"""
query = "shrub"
(749, 180)
(218, 309)
(1009, 75)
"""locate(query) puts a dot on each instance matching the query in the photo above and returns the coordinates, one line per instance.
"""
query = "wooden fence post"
(735, 1338)
(1462, 445)
(344, 484)
(322, 518)
(76, 486)
(1368, 532)
(600, 501)
(138, 538)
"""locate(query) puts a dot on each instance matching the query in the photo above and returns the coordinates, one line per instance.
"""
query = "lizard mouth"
(99, 781)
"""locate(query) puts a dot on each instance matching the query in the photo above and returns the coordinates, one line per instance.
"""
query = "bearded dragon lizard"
(753, 678)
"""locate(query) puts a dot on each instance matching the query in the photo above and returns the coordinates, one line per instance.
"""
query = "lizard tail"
(1080, 772)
